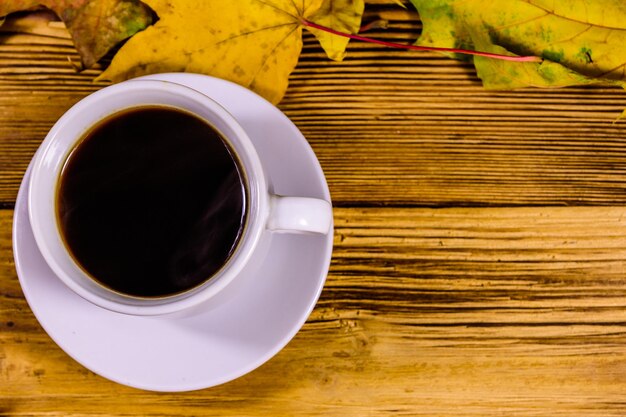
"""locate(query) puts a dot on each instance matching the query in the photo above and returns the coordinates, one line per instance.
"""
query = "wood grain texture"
(502, 304)
(466, 312)
(390, 127)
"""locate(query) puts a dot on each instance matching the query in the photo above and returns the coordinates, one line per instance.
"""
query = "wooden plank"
(471, 312)
(390, 127)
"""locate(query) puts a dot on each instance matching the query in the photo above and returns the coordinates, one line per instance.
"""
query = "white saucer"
(243, 326)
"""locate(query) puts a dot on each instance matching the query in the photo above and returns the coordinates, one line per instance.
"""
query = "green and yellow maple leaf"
(581, 41)
(255, 43)
(96, 26)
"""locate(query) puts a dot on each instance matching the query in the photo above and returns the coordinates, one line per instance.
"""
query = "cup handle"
(299, 215)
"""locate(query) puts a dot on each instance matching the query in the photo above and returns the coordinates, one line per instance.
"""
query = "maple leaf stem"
(313, 25)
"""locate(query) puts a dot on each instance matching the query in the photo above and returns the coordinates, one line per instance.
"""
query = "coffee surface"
(151, 202)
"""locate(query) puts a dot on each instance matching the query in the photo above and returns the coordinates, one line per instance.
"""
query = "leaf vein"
(614, 69)
(293, 2)
(270, 53)
(252, 32)
(571, 38)
(571, 19)
(520, 23)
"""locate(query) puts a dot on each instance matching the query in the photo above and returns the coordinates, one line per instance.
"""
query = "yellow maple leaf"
(255, 43)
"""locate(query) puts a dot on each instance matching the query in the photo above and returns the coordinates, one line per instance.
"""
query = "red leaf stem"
(421, 48)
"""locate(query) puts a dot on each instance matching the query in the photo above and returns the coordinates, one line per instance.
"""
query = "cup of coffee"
(147, 198)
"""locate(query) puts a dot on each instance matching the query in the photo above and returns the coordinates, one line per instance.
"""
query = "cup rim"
(59, 142)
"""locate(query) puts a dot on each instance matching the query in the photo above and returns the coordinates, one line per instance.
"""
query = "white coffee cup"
(267, 213)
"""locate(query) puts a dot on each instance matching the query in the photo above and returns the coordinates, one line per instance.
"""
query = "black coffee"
(151, 202)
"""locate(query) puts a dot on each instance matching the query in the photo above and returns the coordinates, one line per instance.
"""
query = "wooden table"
(479, 266)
